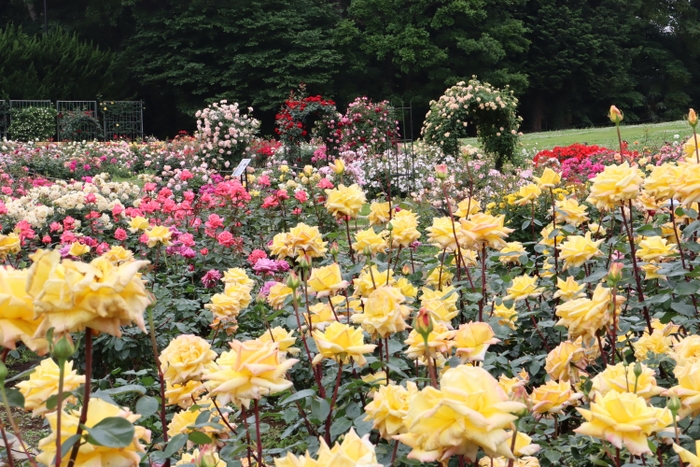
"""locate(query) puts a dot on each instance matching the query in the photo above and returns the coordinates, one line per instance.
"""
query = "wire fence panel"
(122, 120)
(22, 104)
(77, 121)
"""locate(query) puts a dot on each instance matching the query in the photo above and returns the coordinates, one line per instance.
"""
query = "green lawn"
(649, 135)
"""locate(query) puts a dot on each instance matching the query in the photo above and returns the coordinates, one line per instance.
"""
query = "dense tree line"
(567, 60)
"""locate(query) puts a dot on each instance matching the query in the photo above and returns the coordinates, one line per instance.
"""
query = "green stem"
(258, 441)
(161, 378)
(59, 409)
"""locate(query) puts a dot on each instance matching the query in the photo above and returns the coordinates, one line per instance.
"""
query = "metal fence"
(4, 117)
(402, 165)
(77, 120)
(122, 119)
(84, 120)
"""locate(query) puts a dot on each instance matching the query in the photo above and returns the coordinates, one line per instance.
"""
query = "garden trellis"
(122, 119)
(77, 120)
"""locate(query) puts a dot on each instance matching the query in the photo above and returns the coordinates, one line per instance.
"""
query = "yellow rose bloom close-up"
(472, 340)
(553, 397)
(622, 378)
(388, 408)
(527, 194)
(576, 250)
(548, 179)
(9, 243)
(250, 370)
(158, 235)
(17, 318)
(523, 287)
(70, 296)
(405, 228)
(570, 211)
(187, 357)
(486, 230)
(345, 202)
(655, 248)
(43, 383)
(566, 361)
(369, 241)
(327, 280)
(384, 312)
(378, 213)
(342, 343)
(92, 454)
(614, 185)
(625, 420)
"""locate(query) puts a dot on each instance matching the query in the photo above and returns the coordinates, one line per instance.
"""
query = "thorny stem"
(347, 230)
(86, 397)
(161, 378)
(258, 440)
(329, 418)
(630, 234)
(482, 302)
(554, 227)
(442, 263)
(10, 457)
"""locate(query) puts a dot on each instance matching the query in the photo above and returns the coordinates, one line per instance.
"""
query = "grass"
(645, 135)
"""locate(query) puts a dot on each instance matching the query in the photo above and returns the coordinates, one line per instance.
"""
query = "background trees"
(567, 60)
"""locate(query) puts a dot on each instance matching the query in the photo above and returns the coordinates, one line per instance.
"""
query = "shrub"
(79, 125)
(32, 124)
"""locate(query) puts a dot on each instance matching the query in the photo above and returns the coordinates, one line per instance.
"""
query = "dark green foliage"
(32, 124)
(253, 52)
(54, 66)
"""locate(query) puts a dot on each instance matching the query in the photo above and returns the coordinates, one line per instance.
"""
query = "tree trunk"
(537, 109)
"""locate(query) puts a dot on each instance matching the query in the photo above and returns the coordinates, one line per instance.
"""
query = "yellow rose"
(70, 296)
(569, 289)
(43, 383)
(406, 288)
(656, 343)
(687, 350)
(614, 185)
(576, 250)
(186, 358)
(182, 422)
(615, 115)
(183, 395)
(659, 182)
(353, 451)
(384, 312)
(342, 343)
(321, 315)
(405, 228)
(687, 456)
(506, 316)
(468, 412)
(467, 207)
(690, 150)
(528, 193)
(138, 223)
(284, 339)
(338, 166)
(78, 249)
(548, 237)
(370, 241)
(389, 407)
(118, 254)
(621, 378)
(442, 235)
(523, 287)
(378, 213)
(206, 458)
(327, 280)
(624, 419)
(9, 243)
(278, 295)
(472, 340)
(511, 252)
(440, 341)
(17, 321)
(305, 240)
(569, 211)
(238, 276)
(250, 370)
(92, 454)
(158, 234)
(553, 397)
(688, 388)
(566, 361)
(442, 304)
(345, 202)
(439, 278)
(523, 444)
(584, 317)
(371, 278)
(655, 248)
(549, 179)
(486, 230)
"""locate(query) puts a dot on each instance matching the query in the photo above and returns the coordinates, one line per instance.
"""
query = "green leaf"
(686, 288)
(199, 438)
(340, 426)
(175, 444)
(303, 394)
(112, 432)
(125, 389)
(683, 309)
(147, 406)
(15, 398)
(320, 408)
(52, 401)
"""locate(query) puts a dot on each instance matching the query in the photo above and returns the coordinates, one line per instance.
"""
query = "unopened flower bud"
(304, 262)
(637, 370)
(615, 115)
(338, 166)
(406, 269)
(63, 349)
(293, 281)
(674, 404)
(334, 249)
(390, 227)
(441, 171)
(692, 118)
(615, 274)
(423, 324)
